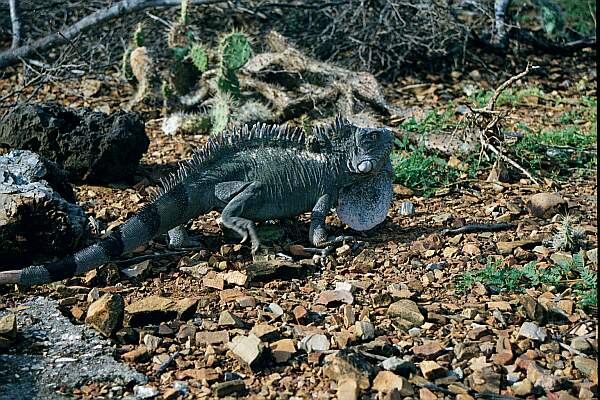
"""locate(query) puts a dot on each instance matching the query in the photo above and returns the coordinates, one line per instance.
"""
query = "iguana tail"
(172, 208)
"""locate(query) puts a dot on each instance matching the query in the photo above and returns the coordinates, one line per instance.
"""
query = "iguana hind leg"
(231, 215)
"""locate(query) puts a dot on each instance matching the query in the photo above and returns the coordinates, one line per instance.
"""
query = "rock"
(592, 256)
(145, 392)
(343, 250)
(581, 344)
(227, 318)
(300, 313)
(246, 301)
(533, 309)
(399, 366)
(426, 394)
(364, 261)
(88, 145)
(429, 349)
(509, 247)
(364, 330)
(386, 381)
(106, 314)
(216, 337)
(432, 370)
(138, 270)
(407, 208)
(155, 309)
(8, 330)
(522, 388)
(348, 389)
(265, 332)
(214, 280)
(248, 350)
(30, 190)
(346, 365)
(139, 354)
(499, 305)
(531, 330)
(314, 342)
(236, 278)
(283, 350)
(330, 297)
(223, 389)
(586, 365)
(348, 315)
(408, 311)
(485, 381)
(543, 379)
(546, 205)
(152, 342)
(275, 309)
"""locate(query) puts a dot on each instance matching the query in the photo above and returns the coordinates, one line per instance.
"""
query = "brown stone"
(106, 314)
(330, 297)
(546, 205)
(248, 350)
(406, 310)
(265, 332)
(386, 381)
(300, 313)
(216, 337)
(139, 354)
(283, 350)
(432, 370)
(428, 349)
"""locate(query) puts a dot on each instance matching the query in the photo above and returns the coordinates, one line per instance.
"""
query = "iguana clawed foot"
(179, 239)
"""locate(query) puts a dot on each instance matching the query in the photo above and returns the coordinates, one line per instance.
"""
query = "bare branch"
(12, 56)
(15, 20)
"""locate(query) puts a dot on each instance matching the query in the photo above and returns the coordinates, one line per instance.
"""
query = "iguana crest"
(323, 139)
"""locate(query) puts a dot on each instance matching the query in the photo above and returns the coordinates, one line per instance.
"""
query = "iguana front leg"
(231, 214)
(318, 233)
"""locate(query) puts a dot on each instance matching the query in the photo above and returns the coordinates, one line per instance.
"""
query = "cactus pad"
(199, 57)
(235, 51)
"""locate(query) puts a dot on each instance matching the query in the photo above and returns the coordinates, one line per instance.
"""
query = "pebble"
(145, 392)
(406, 310)
(329, 297)
(364, 330)
(283, 350)
(106, 314)
(315, 342)
(432, 370)
(407, 208)
(248, 350)
(386, 381)
(531, 330)
(348, 389)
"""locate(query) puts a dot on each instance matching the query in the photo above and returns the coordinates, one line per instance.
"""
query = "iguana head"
(369, 150)
(364, 203)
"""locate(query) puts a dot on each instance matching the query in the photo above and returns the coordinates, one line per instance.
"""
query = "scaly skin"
(257, 174)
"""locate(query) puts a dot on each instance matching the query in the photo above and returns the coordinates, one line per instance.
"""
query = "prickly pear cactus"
(199, 57)
(139, 35)
(137, 40)
(220, 112)
(235, 51)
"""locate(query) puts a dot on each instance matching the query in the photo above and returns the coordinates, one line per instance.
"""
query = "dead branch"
(492, 101)
(12, 56)
(15, 21)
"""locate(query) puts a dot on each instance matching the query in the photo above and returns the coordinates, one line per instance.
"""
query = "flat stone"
(499, 305)
(364, 330)
(399, 366)
(248, 350)
(246, 301)
(348, 389)
(229, 295)
(216, 337)
(386, 381)
(283, 350)
(151, 309)
(542, 378)
(432, 370)
(586, 365)
(509, 247)
(300, 313)
(330, 297)
(265, 332)
(199, 374)
(406, 310)
(139, 354)
(533, 309)
(485, 381)
(275, 309)
(227, 318)
(213, 281)
(106, 314)
(531, 330)
(426, 394)
(152, 342)
(428, 349)
(237, 278)
(145, 391)
(8, 326)
(346, 365)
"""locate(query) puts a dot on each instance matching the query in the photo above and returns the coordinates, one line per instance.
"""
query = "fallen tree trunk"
(12, 56)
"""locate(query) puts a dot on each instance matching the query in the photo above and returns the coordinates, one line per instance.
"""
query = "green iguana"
(253, 174)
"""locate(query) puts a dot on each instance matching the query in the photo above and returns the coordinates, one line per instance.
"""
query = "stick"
(492, 101)
(15, 20)
(511, 162)
(12, 56)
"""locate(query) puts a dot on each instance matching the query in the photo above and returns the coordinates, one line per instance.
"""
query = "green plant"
(500, 277)
(568, 237)
(137, 40)
(234, 52)
(199, 57)
(220, 112)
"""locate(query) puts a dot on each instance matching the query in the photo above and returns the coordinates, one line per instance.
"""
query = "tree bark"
(12, 56)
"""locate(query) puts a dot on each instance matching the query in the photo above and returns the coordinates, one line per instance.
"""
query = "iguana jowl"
(253, 174)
